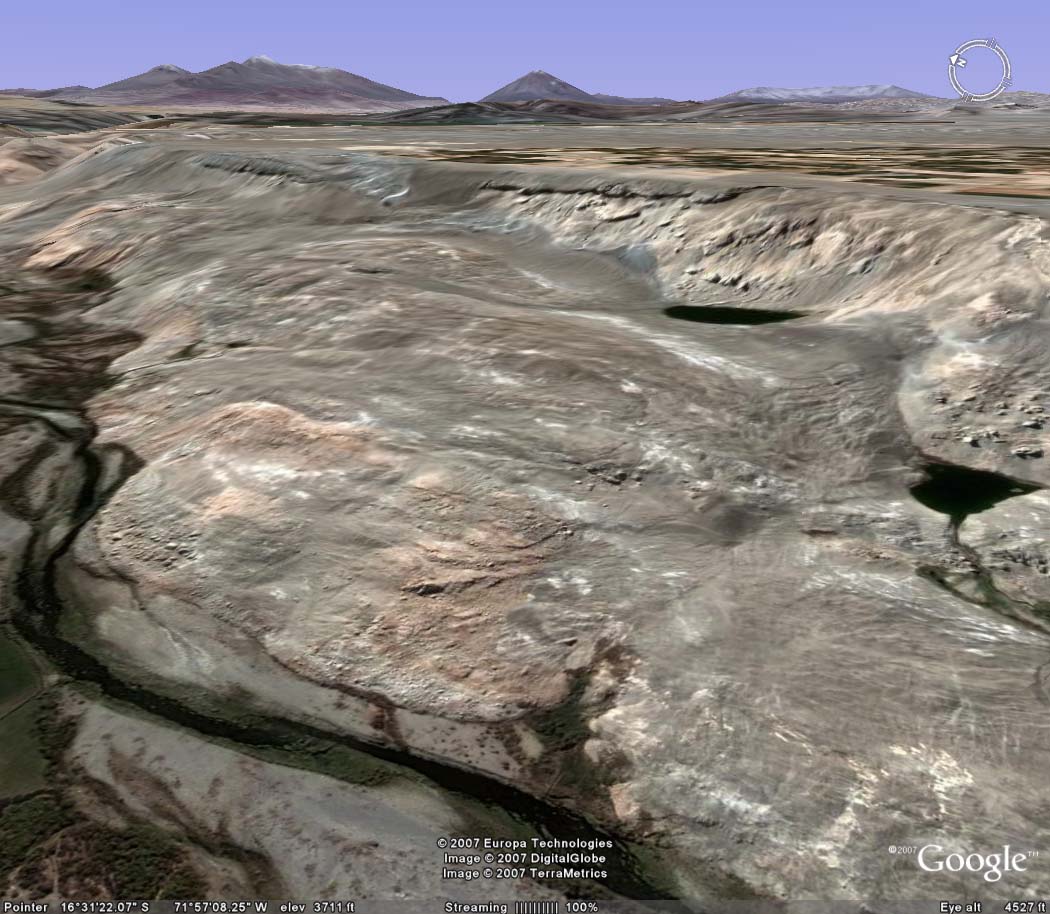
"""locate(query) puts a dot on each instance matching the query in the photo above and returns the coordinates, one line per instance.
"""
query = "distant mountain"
(265, 76)
(258, 82)
(540, 84)
(820, 94)
(160, 76)
(620, 100)
(43, 93)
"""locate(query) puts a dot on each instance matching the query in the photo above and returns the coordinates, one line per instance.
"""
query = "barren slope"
(424, 461)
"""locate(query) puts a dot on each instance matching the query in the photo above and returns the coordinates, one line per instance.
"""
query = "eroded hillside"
(422, 456)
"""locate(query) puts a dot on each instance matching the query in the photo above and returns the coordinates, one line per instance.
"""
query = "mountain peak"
(163, 75)
(537, 84)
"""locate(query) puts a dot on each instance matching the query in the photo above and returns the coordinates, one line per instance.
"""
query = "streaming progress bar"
(535, 907)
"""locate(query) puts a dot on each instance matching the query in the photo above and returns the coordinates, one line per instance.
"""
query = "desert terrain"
(674, 483)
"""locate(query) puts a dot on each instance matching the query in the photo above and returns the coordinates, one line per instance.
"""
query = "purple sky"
(466, 48)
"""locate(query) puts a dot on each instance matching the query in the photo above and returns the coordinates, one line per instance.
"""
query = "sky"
(464, 49)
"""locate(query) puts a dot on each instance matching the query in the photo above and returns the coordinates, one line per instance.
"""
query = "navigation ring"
(957, 61)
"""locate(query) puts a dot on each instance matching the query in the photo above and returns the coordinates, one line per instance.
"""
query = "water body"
(719, 314)
(959, 491)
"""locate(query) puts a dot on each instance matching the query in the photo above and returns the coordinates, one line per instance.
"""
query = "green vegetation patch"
(54, 731)
(341, 762)
(93, 861)
(19, 679)
(25, 823)
(566, 724)
(22, 763)
(44, 840)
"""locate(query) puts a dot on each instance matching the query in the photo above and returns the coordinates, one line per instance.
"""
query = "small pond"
(719, 314)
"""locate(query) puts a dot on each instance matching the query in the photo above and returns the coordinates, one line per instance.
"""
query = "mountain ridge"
(821, 93)
(256, 82)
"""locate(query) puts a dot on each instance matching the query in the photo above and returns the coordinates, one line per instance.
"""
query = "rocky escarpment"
(425, 462)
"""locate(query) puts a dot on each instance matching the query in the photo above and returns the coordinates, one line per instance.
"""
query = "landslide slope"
(425, 461)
